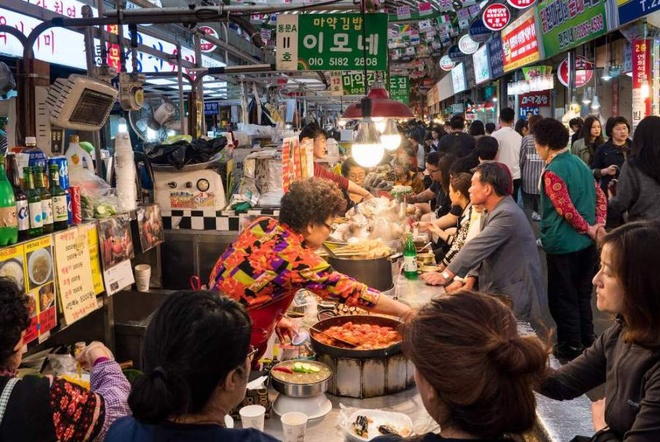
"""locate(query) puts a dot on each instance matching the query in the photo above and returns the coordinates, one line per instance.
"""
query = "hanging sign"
(403, 12)
(117, 250)
(204, 45)
(630, 10)
(567, 24)
(425, 8)
(446, 63)
(481, 66)
(521, 4)
(496, 16)
(331, 42)
(584, 71)
(641, 99)
(535, 99)
(399, 87)
(478, 31)
(467, 45)
(455, 53)
(496, 57)
(335, 83)
(520, 43)
(352, 83)
(458, 78)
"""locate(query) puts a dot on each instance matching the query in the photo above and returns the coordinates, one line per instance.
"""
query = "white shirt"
(510, 142)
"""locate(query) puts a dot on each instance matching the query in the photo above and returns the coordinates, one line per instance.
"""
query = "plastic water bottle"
(125, 174)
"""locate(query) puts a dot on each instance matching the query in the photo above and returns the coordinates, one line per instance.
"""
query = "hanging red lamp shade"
(381, 105)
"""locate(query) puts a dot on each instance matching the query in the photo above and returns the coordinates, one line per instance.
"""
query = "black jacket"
(631, 374)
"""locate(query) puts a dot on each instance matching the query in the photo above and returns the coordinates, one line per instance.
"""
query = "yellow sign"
(92, 233)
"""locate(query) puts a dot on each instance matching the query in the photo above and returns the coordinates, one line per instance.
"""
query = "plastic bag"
(182, 153)
(97, 198)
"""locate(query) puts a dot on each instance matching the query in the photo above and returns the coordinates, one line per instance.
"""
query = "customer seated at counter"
(50, 408)
(626, 357)
(474, 372)
(271, 260)
(196, 356)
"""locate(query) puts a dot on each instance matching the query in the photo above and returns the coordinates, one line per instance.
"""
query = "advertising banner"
(481, 66)
(520, 42)
(496, 57)
(566, 24)
(331, 42)
(641, 100)
(458, 78)
(630, 10)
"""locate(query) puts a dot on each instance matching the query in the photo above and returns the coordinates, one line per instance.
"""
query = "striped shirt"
(531, 166)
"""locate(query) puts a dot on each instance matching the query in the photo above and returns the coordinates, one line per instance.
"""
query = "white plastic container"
(76, 156)
(125, 175)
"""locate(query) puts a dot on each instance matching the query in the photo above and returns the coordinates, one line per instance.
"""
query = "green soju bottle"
(46, 200)
(34, 204)
(410, 258)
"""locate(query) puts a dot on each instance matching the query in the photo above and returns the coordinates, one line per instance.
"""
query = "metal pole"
(89, 40)
(180, 79)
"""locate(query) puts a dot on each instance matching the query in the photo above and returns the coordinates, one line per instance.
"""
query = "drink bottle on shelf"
(8, 219)
(60, 207)
(22, 210)
(46, 199)
(410, 258)
(34, 203)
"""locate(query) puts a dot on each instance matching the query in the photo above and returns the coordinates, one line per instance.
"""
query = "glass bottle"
(22, 210)
(34, 202)
(60, 208)
(46, 199)
(8, 219)
(410, 258)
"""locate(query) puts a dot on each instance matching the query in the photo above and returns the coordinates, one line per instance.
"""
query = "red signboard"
(520, 44)
(534, 99)
(496, 16)
(584, 71)
(204, 45)
(113, 59)
(641, 70)
(521, 4)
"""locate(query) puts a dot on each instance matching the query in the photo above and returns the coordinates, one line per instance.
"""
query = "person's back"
(510, 143)
(457, 142)
(129, 429)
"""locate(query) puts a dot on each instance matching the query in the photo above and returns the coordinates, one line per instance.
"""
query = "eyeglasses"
(328, 226)
(253, 351)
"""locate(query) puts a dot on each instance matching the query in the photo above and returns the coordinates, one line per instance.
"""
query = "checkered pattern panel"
(225, 220)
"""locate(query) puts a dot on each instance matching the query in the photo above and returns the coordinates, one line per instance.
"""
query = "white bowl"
(400, 422)
(314, 407)
(31, 261)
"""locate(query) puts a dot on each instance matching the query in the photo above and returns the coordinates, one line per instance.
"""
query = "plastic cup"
(293, 426)
(253, 416)
(142, 277)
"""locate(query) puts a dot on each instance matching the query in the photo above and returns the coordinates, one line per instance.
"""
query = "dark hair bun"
(519, 355)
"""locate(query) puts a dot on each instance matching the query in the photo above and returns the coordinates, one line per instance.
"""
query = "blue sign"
(455, 53)
(634, 9)
(496, 56)
(524, 111)
(478, 31)
(211, 108)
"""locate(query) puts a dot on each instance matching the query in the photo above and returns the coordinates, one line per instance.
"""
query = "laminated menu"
(74, 274)
(95, 260)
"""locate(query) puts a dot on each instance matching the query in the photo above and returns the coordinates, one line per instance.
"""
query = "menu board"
(95, 260)
(74, 274)
(40, 287)
(116, 252)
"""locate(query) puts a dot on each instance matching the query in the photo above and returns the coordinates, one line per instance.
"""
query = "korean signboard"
(353, 82)
(535, 99)
(630, 10)
(521, 4)
(584, 71)
(327, 42)
(400, 89)
(478, 31)
(641, 99)
(481, 66)
(566, 24)
(496, 16)
(520, 43)
(206, 46)
(468, 66)
(458, 78)
(496, 57)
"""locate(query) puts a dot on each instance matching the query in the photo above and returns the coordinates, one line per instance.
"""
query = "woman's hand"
(92, 352)
(611, 170)
(454, 287)
(285, 328)
(598, 414)
(434, 278)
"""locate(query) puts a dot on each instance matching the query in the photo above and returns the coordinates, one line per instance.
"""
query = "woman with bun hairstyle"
(626, 357)
(196, 357)
(474, 372)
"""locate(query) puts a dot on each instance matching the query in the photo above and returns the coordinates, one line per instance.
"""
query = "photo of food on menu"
(115, 241)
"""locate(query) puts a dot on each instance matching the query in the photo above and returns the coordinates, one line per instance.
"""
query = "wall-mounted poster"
(150, 226)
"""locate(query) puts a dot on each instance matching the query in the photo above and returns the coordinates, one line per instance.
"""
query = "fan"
(157, 119)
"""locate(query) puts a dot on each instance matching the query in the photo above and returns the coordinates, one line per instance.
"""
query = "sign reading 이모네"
(331, 42)
(566, 24)
(520, 43)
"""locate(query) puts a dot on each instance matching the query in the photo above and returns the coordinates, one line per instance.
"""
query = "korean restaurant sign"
(521, 4)
(353, 82)
(331, 42)
(520, 44)
(399, 87)
(641, 98)
(534, 99)
(496, 16)
(630, 10)
(584, 71)
(566, 24)
(206, 46)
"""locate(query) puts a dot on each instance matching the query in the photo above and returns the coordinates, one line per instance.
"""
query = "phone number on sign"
(343, 61)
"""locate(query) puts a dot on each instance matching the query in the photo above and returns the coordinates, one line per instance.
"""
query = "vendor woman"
(271, 260)
(314, 132)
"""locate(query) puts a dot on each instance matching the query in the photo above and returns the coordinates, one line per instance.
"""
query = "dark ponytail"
(193, 341)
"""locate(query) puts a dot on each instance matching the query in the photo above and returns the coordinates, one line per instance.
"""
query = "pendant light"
(367, 149)
(390, 137)
(595, 103)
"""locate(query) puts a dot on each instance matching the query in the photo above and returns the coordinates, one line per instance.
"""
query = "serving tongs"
(350, 344)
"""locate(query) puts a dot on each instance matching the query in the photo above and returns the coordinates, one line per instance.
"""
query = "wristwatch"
(445, 275)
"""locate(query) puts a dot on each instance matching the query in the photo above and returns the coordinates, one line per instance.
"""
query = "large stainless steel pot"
(364, 373)
(376, 273)
(301, 390)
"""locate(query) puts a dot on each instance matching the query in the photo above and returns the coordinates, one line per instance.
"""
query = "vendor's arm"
(358, 190)
(322, 172)
(422, 197)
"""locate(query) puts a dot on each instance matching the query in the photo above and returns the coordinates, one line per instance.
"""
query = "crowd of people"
(593, 198)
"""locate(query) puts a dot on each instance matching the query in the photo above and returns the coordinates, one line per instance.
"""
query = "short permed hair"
(14, 318)
(552, 133)
(311, 201)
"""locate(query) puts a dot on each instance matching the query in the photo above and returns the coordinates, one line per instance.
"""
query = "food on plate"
(363, 336)
(388, 429)
(12, 269)
(39, 265)
(32, 305)
(297, 372)
(46, 296)
(368, 249)
(361, 426)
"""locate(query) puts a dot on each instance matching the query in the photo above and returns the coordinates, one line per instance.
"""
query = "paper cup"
(142, 277)
(293, 426)
(253, 416)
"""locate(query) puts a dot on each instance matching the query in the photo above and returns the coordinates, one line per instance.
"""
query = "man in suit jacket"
(504, 252)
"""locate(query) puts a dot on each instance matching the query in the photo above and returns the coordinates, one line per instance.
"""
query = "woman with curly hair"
(271, 260)
(46, 409)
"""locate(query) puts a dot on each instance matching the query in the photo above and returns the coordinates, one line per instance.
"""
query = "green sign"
(353, 82)
(331, 42)
(566, 24)
(400, 89)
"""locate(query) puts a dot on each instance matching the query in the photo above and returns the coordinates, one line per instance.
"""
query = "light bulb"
(595, 104)
(607, 76)
(585, 98)
(367, 149)
(390, 137)
(646, 91)
(380, 124)
(122, 127)
(494, 99)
